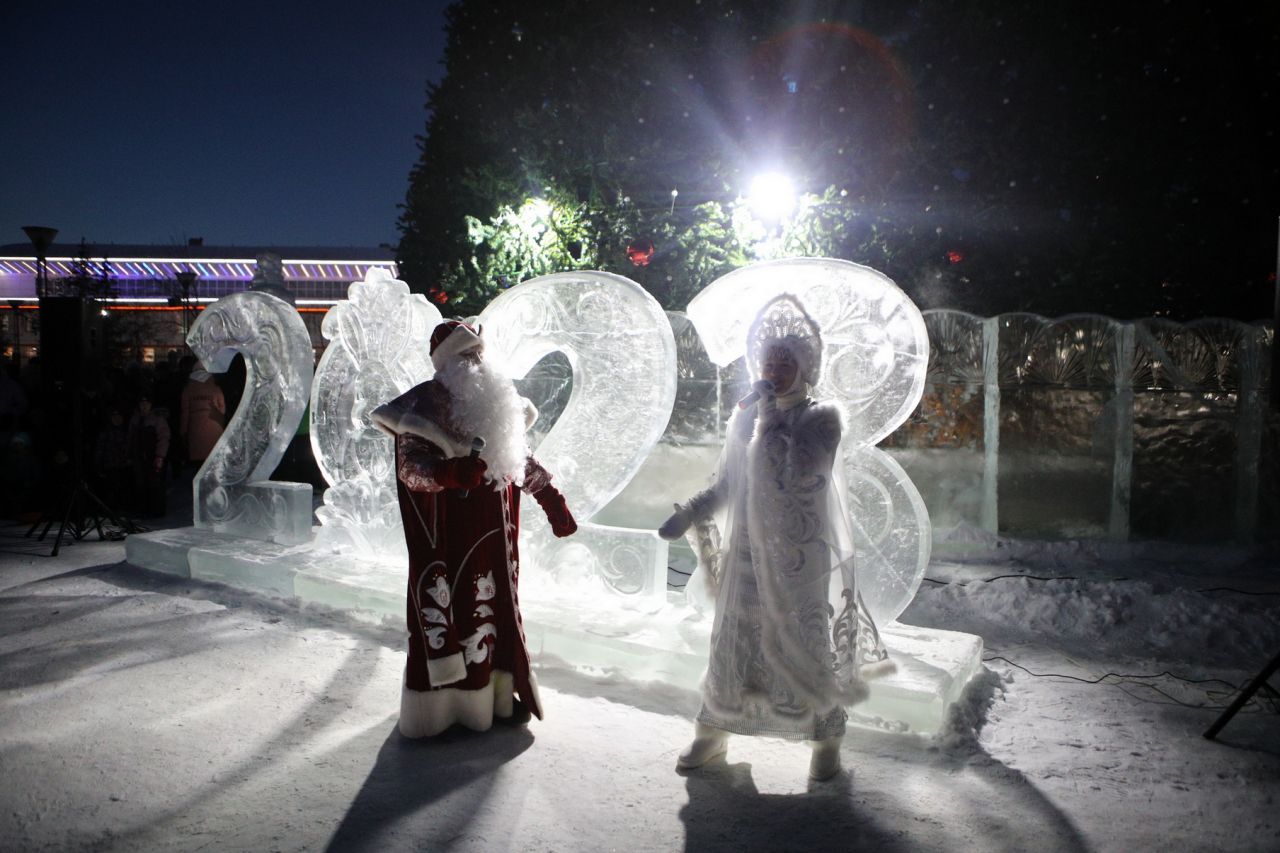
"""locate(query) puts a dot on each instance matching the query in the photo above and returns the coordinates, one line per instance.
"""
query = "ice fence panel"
(942, 445)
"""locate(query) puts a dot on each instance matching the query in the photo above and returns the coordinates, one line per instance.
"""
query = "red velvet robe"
(463, 612)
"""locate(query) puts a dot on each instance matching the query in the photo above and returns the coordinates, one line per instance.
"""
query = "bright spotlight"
(535, 214)
(772, 197)
(539, 208)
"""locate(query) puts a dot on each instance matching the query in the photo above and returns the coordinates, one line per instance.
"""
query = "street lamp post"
(41, 238)
(17, 334)
(187, 281)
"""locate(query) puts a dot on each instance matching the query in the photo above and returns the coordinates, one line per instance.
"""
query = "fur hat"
(452, 338)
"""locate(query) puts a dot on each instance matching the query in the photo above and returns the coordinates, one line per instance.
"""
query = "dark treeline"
(989, 156)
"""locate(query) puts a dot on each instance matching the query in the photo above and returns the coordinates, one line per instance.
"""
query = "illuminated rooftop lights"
(218, 269)
(771, 196)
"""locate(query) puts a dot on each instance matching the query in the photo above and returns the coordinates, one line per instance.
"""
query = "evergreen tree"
(986, 155)
(86, 279)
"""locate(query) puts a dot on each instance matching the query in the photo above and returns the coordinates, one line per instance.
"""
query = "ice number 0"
(377, 351)
(876, 352)
(231, 491)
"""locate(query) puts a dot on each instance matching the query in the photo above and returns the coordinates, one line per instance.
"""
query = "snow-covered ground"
(140, 711)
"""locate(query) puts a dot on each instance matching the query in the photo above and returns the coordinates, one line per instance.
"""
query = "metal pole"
(187, 281)
(1245, 695)
(1275, 332)
(17, 334)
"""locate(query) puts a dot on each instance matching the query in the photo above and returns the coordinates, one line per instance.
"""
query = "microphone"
(764, 386)
(477, 444)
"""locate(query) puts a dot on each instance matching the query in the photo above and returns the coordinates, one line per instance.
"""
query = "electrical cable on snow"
(1128, 678)
(1073, 578)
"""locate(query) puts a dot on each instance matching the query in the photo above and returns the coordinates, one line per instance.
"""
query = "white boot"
(708, 743)
(825, 762)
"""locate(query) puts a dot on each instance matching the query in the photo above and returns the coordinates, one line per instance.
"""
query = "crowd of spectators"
(130, 433)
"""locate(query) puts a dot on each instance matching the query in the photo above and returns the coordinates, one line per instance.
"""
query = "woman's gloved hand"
(675, 526)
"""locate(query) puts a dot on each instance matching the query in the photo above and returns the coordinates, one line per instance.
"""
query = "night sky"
(244, 123)
(1148, 129)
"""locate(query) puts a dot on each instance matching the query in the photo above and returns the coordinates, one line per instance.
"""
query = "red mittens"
(552, 503)
(461, 472)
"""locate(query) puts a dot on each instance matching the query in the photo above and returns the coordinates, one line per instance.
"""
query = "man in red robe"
(461, 463)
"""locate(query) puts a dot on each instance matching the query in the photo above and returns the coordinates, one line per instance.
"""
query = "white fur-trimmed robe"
(792, 644)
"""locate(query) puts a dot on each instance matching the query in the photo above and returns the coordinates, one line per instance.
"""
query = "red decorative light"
(955, 257)
(640, 253)
(435, 294)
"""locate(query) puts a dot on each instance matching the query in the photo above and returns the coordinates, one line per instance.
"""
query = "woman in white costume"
(792, 644)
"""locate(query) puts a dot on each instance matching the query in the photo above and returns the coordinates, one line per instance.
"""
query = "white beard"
(485, 404)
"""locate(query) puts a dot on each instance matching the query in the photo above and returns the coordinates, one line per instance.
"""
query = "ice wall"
(1085, 426)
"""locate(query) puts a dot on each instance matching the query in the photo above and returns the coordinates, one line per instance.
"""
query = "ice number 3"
(231, 491)
(876, 352)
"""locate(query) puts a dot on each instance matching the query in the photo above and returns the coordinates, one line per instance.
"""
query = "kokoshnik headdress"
(783, 321)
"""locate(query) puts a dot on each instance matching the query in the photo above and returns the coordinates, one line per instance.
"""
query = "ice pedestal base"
(933, 669)
(671, 647)
(644, 640)
(312, 574)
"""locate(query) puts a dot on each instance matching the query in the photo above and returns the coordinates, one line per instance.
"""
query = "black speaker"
(70, 337)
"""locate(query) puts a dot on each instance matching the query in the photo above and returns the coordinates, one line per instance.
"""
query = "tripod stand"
(1256, 684)
(85, 511)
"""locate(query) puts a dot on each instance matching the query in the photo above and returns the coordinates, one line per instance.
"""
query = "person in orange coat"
(203, 414)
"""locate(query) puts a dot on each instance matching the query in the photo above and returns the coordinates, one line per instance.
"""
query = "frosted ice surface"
(378, 350)
(623, 354)
(231, 492)
(876, 352)
(619, 343)
(876, 344)
(891, 530)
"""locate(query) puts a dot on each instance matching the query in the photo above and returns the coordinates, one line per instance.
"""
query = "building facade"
(152, 294)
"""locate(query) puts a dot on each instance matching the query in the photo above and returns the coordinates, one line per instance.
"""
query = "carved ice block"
(619, 343)
(231, 492)
(378, 350)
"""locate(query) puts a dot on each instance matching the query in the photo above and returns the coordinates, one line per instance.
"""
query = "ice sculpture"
(877, 352)
(231, 492)
(378, 350)
(619, 344)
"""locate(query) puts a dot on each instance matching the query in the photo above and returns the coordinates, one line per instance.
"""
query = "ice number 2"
(876, 351)
(231, 491)
(619, 343)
